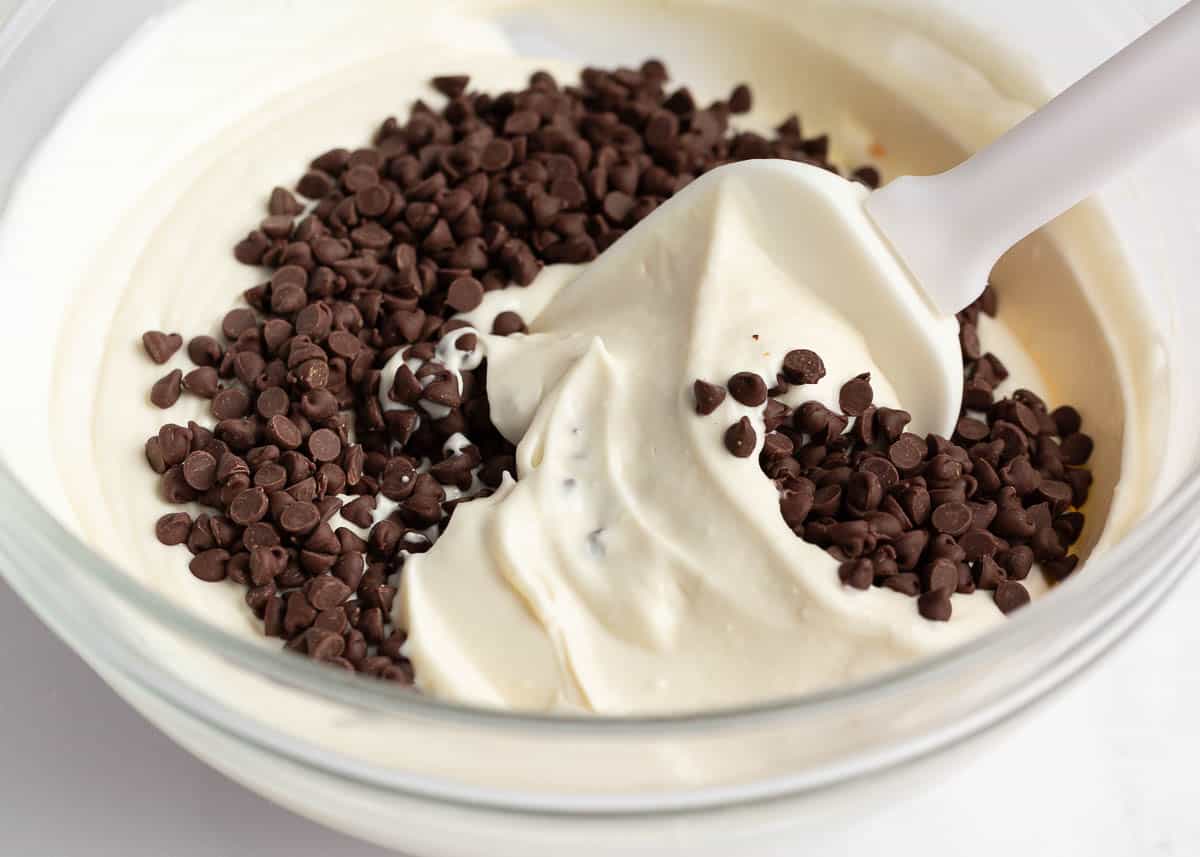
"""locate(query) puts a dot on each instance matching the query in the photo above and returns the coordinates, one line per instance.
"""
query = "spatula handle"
(951, 228)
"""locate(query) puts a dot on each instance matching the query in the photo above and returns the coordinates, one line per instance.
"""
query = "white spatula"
(950, 229)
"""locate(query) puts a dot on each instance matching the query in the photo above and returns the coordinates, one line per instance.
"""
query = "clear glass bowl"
(435, 778)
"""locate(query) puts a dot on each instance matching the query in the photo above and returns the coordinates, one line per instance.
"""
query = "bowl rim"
(1115, 604)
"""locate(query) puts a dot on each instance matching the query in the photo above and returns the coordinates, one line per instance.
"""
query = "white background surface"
(1106, 768)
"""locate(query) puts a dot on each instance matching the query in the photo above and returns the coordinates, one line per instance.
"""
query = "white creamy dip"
(702, 597)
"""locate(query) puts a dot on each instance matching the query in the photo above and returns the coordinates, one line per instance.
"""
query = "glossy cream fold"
(636, 566)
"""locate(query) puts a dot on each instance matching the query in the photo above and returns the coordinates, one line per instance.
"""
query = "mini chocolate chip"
(174, 444)
(1041, 514)
(977, 394)
(617, 206)
(1069, 527)
(952, 518)
(1047, 545)
(406, 387)
(360, 511)
(740, 100)
(909, 548)
(971, 430)
(905, 583)
(1080, 482)
(1058, 570)
(209, 565)
(1010, 596)
(231, 404)
(775, 415)
(322, 644)
(236, 322)
(890, 423)
(314, 321)
(202, 382)
(868, 176)
(881, 469)
(205, 351)
(298, 614)
(399, 478)
(854, 537)
(812, 418)
(944, 546)
(864, 492)
(855, 396)
(940, 574)
(979, 543)
(251, 249)
(299, 517)
(1014, 523)
(452, 85)
(326, 592)
(795, 506)
(1030, 400)
(802, 366)
(740, 438)
(318, 405)
(507, 323)
(353, 463)
(521, 123)
(464, 294)
(827, 500)
(200, 470)
(708, 397)
(907, 452)
(1016, 561)
(324, 445)
(444, 391)
(990, 575)
(272, 616)
(272, 402)
(265, 564)
(748, 388)
(161, 346)
(857, 573)
(166, 390)
(942, 468)
(173, 528)
(1066, 421)
(496, 155)
(371, 625)
(1014, 439)
(935, 605)
(1076, 448)
(249, 506)
(968, 340)
(864, 427)
(283, 432)
(271, 477)
(282, 202)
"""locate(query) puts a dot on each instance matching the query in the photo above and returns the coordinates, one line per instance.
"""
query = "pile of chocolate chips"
(926, 516)
(397, 238)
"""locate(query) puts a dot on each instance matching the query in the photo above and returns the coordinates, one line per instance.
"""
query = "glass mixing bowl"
(439, 779)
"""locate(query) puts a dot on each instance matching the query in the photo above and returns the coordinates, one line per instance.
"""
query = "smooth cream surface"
(183, 171)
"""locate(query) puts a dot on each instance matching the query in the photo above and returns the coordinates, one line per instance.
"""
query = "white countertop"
(1103, 769)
